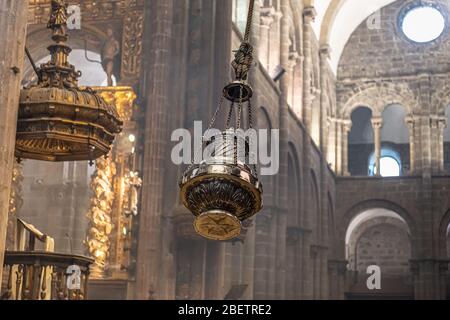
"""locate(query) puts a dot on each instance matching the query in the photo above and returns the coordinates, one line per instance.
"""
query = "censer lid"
(58, 121)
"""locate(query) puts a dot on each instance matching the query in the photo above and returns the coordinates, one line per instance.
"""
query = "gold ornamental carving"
(125, 15)
(115, 185)
(100, 222)
(133, 31)
(57, 120)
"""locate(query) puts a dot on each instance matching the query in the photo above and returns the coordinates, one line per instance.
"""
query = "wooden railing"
(45, 276)
(42, 275)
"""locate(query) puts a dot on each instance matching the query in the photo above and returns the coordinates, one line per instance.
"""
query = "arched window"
(390, 167)
(360, 141)
(395, 142)
(390, 164)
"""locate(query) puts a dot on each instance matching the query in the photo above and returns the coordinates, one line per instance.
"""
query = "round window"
(423, 24)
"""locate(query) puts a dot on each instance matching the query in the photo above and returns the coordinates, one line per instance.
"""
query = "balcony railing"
(45, 276)
(42, 275)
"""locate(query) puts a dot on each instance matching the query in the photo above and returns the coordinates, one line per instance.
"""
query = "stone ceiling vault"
(336, 20)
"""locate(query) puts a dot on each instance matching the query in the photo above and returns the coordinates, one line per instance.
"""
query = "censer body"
(222, 192)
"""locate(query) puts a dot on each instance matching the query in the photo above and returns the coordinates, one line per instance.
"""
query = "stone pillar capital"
(442, 123)
(277, 15)
(437, 122)
(309, 14)
(268, 15)
(325, 51)
(293, 59)
(347, 125)
(377, 123)
(409, 120)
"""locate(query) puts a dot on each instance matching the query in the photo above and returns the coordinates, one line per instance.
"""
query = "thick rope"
(243, 58)
(248, 28)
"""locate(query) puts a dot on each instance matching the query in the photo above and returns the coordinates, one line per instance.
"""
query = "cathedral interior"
(359, 92)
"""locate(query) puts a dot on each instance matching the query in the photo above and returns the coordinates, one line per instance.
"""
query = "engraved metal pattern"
(218, 225)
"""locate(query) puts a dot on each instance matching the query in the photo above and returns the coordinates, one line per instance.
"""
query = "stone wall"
(294, 248)
(286, 249)
(382, 242)
(386, 52)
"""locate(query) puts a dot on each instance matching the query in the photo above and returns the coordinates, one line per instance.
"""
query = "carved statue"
(110, 50)
(135, 183)
(58, 17)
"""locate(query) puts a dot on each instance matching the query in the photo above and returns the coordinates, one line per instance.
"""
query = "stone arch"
(90, 38)
(378, 97)
(443, 236)
(328, 20)
(263, 119)
(364, 206)
(373, 223)
(94, 36)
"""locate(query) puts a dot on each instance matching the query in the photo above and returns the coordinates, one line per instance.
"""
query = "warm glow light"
(389, 167)
(132, 138)
(423, 24)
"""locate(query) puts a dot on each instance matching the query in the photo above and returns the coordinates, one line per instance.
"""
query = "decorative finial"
(58, 16)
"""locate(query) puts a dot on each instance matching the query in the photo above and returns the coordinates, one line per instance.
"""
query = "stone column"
(377, 124)
(297, 88)
(337, 270)
(429, 279)
(412, 145)
(346, 128)
(267, 18)
(324, 56)
(331, 144)
(159, 35)
(339, 145)
(262, 243)
(435, 144)
(442, 124)
(285, 84)
(292, 63)
(274, 42)
(13, 23)
(309, 14)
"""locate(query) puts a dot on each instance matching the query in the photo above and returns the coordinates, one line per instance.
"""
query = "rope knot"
(243, 60)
